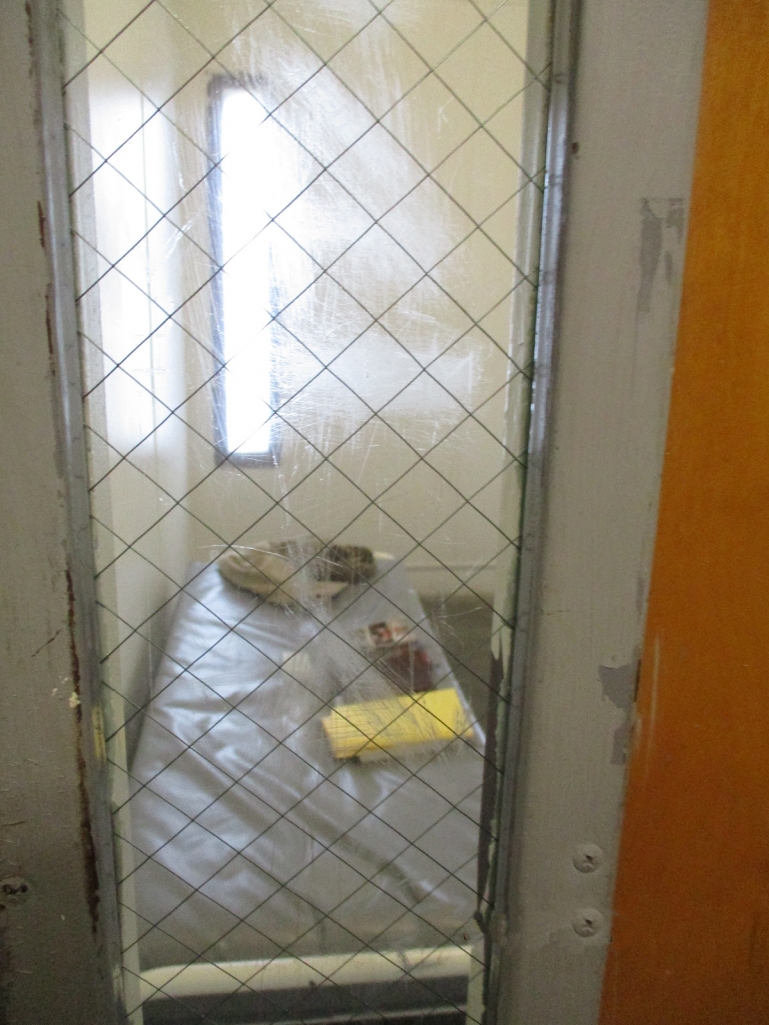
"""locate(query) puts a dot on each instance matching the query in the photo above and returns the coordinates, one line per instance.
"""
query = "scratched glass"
(306, 238)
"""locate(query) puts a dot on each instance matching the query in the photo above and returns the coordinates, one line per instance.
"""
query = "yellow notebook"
(374, 729)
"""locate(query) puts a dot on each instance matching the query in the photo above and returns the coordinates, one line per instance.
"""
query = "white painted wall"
(130, 283)
(160, 56)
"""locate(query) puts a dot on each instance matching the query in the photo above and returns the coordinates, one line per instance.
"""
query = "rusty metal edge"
(96, 840)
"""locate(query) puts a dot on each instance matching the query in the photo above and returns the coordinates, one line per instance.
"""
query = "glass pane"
(306, 238)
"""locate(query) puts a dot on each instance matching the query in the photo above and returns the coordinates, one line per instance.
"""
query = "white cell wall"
(146, 276)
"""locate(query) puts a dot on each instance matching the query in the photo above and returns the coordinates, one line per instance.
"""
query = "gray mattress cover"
(250, 840)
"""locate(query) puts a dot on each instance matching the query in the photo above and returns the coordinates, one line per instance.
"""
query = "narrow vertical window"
(242, 184)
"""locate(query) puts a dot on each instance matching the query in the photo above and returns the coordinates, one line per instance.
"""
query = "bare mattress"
(249, 839)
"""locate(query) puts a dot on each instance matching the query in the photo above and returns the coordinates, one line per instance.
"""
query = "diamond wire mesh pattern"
(398, 395)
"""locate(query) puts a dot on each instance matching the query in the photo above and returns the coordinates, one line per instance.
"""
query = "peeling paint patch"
(74, 658)
(619, 684)
(659, 217)
(49, 329)
(41, 223)
(86, 832)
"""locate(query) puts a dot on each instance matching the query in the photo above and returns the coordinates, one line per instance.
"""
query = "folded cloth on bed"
(371, 730)
(288, 572)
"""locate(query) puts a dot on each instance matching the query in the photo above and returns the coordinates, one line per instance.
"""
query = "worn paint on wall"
(690, 939)
(635, 121)
(52, 964)
(619, 684)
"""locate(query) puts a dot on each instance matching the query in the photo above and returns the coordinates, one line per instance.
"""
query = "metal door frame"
(623, 146)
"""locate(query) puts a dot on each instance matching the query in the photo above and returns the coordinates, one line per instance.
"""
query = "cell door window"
(306, 239)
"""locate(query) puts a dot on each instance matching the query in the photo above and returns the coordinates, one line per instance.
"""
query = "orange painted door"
(690, 937)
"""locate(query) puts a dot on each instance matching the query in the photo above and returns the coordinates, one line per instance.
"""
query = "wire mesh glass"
(306, 239)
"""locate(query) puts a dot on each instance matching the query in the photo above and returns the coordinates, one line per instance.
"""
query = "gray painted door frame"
(589, 537)
(629, 169)
(59, 940)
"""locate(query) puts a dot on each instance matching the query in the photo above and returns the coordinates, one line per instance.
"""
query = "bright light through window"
(246, 183)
